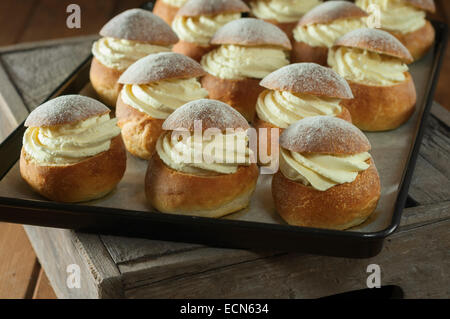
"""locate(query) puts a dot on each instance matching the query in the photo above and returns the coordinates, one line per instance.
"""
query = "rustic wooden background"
(21, 276)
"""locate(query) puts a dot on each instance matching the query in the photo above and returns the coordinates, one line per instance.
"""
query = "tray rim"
(80, 208)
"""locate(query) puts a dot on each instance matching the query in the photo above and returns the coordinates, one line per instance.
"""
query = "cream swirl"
(282, 108)
(119, 54)
(206, 154)
(71, 143)
(175, 3)
(324, 35)
(282, 10)
(160, 99)
(237, 62)
(367, 67)
(322, 171)
(201, 29)
(394, 15)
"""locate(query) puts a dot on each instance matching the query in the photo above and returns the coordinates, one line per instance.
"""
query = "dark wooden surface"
(130, 260)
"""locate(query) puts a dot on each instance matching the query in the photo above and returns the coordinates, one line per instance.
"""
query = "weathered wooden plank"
(15, 15)
(43, 289)
(19, 268)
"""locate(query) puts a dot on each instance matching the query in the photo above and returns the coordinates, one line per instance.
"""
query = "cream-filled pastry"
(282, 13)
(317, 30)
(72, 150)
(234, 68)
(126, 38)
(168, 9)
(153, 88)
(198, 20)
(375, 65)
(405, 19)
(327, 177)
(204, 150)
(294, 92)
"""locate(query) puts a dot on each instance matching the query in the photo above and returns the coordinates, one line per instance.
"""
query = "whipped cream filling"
(71, 143)
(322, 171)
(324, 35)
(394, 15)
(160, 99)
(201, 29)
(283, 108)
(282, 10)
(175, 3)
(237, 62)
(367, 67)
(119, 54)
(204, 155)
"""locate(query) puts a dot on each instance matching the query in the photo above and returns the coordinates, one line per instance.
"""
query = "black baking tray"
(214, 232)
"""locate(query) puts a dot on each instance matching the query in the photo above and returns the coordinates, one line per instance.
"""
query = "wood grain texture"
(43, 289)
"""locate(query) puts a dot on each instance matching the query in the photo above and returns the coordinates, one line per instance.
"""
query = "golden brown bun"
(258, 123)
(65, 109)
(192, 50)
(251, 32)
(308, 78)
(195, 8)
(375, 40)
(211, 114)
(104, 81)
(303, 52)
(330, 11)
(240, 94)
(175, 192)
(139, 25)
(139, 131)
(165, 11)
(286, 27)
(381, 108)
(161, 66)
(417, 42)
(340, 207)
(426, 5)
(89, 179)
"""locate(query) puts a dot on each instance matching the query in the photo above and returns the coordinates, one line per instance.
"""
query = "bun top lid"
(324, 135)
(309, 78)
(139, 25)
(195, 8)
(251, 32)
(66, 109)
(328, 12)
(211, 113)
(375, 40)
(426, 5)
(161, 66)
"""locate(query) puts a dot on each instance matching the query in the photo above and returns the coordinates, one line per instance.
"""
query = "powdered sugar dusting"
(375, 40)
(65, 109)
(324, 134)
(250, 31)
(161, 66)
(308, 78)
(139, 25)
(194, 8)
(330, 11)
(212, 113)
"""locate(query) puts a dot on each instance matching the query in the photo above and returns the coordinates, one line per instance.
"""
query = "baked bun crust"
(165, 11)
(175, 192)
(418, 42)
(375, 40)
(328, 12)
(340, 207)
(192, 50)
(195, 8)
(139, 131)
(251, 32)
(426, 5)
(240, 94)
(303, 52)
(104, 81)
(308, 78)
(381, 108)
(286, 27)
(89, 179)
(161, 66)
